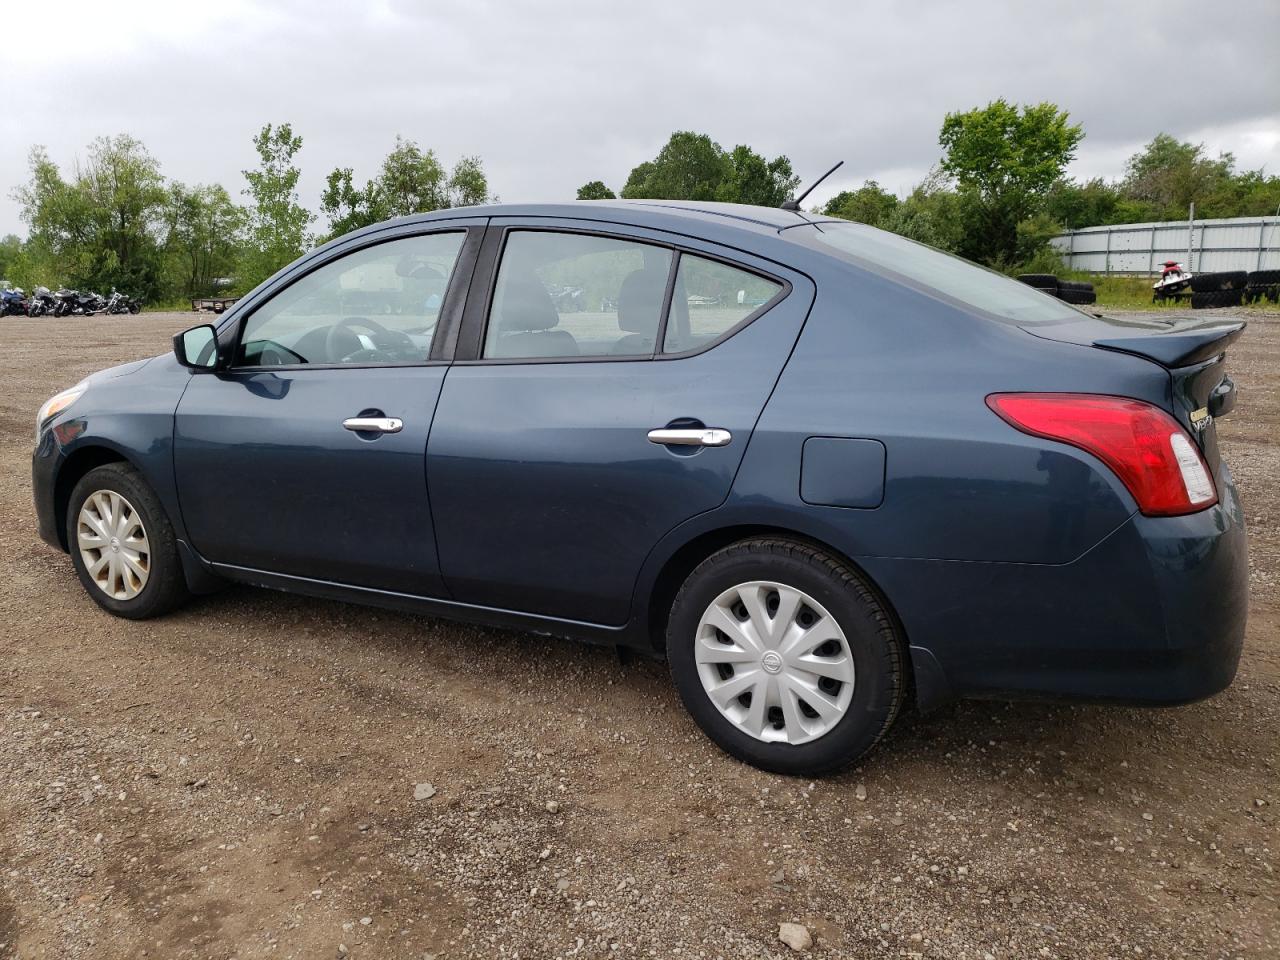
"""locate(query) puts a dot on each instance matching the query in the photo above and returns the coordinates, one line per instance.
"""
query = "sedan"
(824, 471)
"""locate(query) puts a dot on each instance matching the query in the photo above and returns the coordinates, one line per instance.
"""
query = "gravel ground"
(248, 777)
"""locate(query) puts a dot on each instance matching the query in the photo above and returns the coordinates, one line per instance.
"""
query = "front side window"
(709, 300)
(375, 305)
(573, 295)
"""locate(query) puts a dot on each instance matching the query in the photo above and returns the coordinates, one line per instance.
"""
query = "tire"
(1078, 286)
(1043, 281)
(1264, 278)
(870, 643)
(1225, 280)
(1078, 297)
(165, 587)
(1257, 293)
(1217, 298)
(135, 308)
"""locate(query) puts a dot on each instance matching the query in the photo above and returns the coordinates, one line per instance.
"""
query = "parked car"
(879, 474)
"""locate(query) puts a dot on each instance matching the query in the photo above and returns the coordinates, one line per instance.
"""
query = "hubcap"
(113, 545)
(774, 662)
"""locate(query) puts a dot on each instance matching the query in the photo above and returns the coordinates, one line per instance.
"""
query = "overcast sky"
(553, 94)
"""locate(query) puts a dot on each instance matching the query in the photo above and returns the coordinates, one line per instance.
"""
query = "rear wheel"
(784, 657)
(122, 544)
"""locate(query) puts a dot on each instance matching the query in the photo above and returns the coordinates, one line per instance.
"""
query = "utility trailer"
(213, 304)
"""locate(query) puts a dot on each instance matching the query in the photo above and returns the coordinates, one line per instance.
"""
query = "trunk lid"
(1191, 349)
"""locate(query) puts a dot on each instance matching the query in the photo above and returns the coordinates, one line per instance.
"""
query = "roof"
(766, 219)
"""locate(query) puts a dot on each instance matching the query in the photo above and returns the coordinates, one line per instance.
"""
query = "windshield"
(957, 279)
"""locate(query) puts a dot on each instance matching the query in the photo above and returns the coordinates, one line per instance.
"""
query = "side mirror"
(197, 348)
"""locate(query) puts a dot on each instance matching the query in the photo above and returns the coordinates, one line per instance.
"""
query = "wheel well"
(78, 464)
(683, 561)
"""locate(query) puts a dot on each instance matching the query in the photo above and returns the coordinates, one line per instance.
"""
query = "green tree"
(410, 181)
(868, 204)
(596, 190)
(1168, 174)
(692, 166)
(932, 213)
(1004, 159)
(1076, 205)
(10, 255)
(102, 228)
(468, 185)
(753, 179)
(206, 235)
(278, 222)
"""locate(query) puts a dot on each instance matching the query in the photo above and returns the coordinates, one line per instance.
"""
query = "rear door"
(549, 483)
(307, 456)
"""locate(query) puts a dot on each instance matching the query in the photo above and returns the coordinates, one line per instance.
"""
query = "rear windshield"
(993, 293)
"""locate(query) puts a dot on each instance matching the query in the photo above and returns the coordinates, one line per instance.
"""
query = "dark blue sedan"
(823, 470)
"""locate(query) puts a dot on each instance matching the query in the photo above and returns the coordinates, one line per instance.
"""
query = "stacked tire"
(1076, 291)
(1263, 285)
(1071, 291)
(1226, 288)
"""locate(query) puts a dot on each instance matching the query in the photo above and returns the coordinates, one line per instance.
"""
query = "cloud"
(554, 93)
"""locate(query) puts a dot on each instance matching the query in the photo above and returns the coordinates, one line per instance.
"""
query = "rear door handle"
(374, 424)
(692, 437)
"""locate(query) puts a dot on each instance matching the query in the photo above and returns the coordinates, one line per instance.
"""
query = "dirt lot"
(238, 780)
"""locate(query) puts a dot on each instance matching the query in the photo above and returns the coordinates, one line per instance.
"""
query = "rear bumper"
(1154, 614)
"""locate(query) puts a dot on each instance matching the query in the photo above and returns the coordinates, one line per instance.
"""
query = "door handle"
(374, 424)
(692, 437)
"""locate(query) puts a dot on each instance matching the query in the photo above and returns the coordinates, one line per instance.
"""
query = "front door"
(549, 486)
(306, 457)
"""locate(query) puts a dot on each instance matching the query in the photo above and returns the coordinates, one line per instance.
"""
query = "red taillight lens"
(1145, 447)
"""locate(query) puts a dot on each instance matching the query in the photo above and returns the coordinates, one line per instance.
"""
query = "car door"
(549, 484)
(306, 456)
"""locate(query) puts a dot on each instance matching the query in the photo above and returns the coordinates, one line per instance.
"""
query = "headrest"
(640, 300)
(526, 305)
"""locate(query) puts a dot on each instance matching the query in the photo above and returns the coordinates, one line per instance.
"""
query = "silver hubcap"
(113, 545)
(774, 662)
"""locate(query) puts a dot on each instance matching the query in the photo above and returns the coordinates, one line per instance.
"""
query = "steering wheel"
(388, 339)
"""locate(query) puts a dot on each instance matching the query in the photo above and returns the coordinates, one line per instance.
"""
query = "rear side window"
(710, 299)
(991, 292)
(573, 295)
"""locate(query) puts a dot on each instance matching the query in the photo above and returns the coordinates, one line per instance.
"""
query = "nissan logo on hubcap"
(772, 662)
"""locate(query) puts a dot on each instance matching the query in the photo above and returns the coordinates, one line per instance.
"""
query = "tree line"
(117, 222)
(997, 194)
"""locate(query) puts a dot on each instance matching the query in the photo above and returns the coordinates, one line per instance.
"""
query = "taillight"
(1145, 447)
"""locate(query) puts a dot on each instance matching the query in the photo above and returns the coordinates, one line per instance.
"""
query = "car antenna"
(795, 204)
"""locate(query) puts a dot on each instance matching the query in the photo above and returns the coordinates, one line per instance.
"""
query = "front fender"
(131, 417)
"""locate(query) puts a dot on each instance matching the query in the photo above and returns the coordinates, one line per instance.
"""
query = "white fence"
(1202, 246)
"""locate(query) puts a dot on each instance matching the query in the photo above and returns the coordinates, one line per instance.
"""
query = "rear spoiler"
(1184, 343)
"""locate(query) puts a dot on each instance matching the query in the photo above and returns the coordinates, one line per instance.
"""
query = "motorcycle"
(1173, 280)
(12, 302)
(73, 301)
(41, 302)
(119, 303)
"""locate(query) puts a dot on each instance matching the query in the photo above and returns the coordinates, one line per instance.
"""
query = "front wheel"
(122, 545)
(785, 657)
